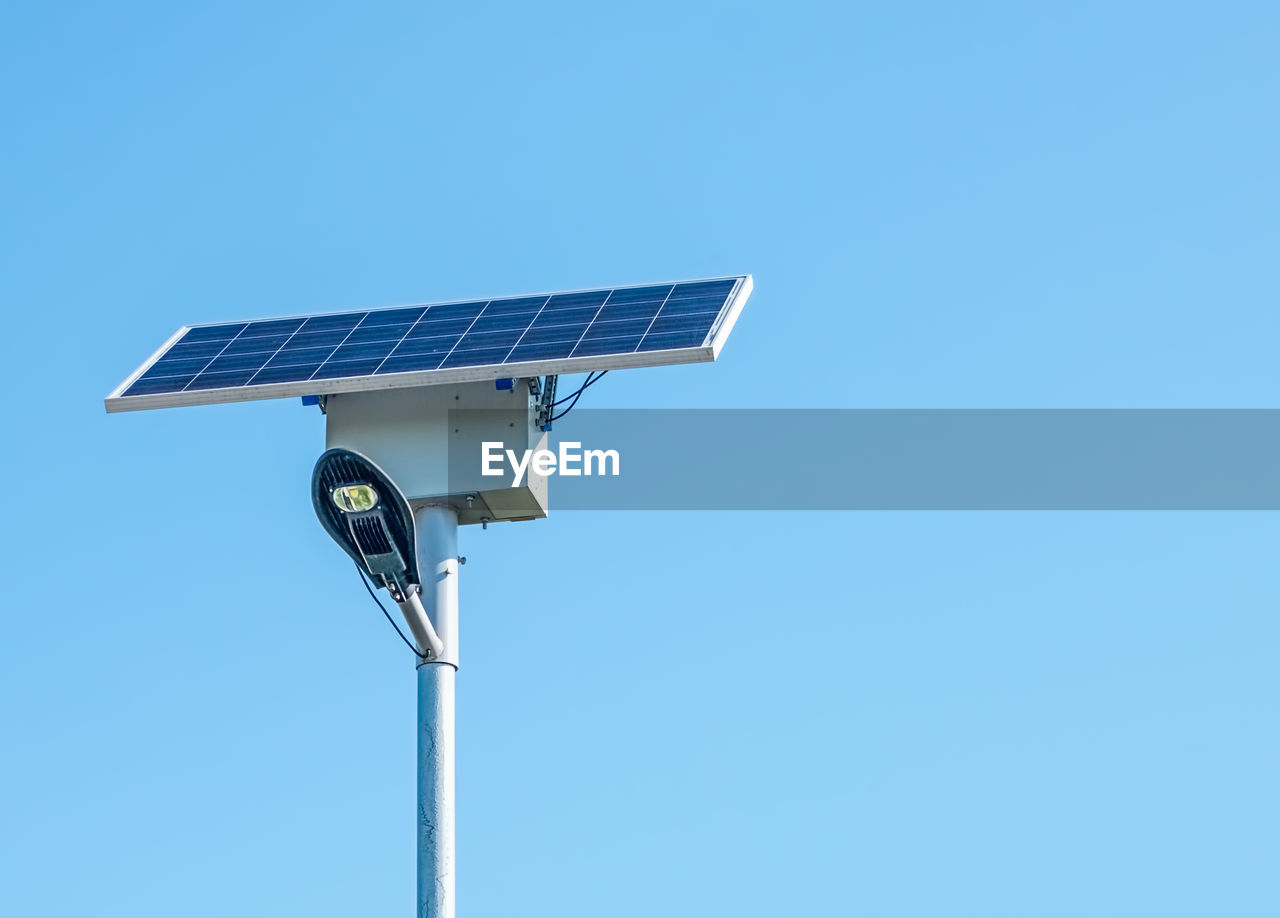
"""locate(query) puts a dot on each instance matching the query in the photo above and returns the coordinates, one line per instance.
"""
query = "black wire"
(387, 615)
(592, 379)
(577, 395)
(557, 417)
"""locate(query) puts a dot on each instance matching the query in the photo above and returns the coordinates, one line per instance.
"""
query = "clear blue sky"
(915, 714)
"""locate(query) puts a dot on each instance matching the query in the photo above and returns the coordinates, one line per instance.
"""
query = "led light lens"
(354, 498)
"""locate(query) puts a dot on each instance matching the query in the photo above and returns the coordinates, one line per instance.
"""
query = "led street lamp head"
(368, 516)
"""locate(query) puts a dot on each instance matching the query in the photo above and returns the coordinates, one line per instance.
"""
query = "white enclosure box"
(429, 441)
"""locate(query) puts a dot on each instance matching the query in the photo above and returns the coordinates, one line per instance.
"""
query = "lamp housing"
(366, 514)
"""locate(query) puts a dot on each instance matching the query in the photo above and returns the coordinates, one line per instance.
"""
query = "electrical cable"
(387, 615)
(591, 380)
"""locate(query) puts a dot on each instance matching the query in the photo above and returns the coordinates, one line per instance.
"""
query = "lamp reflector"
(355, 498)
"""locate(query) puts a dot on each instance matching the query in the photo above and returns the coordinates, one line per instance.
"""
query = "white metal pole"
(437, 549)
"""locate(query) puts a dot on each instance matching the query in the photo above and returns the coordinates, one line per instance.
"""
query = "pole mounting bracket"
(546, 399)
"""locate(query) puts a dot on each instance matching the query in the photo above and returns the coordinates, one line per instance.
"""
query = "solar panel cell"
(595, 346)
(220, 380)
(212, 333)
(410, 363)
(697, 322)
(347, 321)
(273, 327)
(549, 350)
(720, 288)
(613, 312)
(525, 305)
(146, 386)
(621, 329)
(205, 349)
(641, 294)
(267, 344)
(476, 357)
(177, 368)
(575, 315)
(454, 311)
(490, 340)
(228, 363)
(432, 328)
(593, 299)
(287, 357)
(404, 317)
(304, 339)
(411, 347)
(368, 351)
(501, 321)
(334, 369)
(278, 374)
(694, 304)
(669, 340)
(363, 334)
(549, 333)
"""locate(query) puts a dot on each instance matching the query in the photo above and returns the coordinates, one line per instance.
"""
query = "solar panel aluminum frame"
(709, 350)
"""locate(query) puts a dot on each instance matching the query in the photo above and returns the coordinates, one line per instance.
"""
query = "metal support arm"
(424, 633)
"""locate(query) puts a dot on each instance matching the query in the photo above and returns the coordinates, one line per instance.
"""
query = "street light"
(405, 391)
(368, 516)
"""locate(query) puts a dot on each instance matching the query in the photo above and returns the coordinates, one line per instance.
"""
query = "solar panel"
(614, 328)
